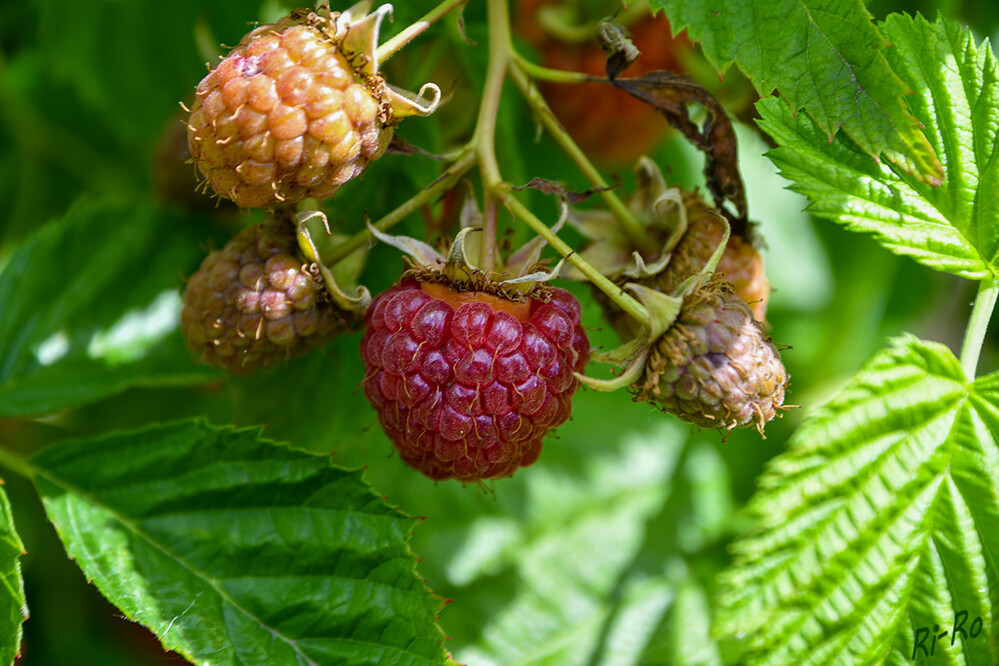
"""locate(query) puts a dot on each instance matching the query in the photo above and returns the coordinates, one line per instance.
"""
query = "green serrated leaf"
(954, 227)
(823, 56)
(90, 307)
(13, 606)
(567, 577)
(880, 523)
(234, 549)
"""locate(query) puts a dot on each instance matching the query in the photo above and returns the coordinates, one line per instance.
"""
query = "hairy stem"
(978, 323)
(614, 292)
(629, 223)
(392, 46)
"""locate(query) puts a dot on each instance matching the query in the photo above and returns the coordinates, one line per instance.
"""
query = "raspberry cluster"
(467, 385)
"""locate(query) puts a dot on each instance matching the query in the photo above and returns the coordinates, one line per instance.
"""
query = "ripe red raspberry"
(467, 384)
(286, 115)
(255, 302)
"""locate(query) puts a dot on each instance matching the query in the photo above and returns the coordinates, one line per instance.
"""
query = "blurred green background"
(591, 556)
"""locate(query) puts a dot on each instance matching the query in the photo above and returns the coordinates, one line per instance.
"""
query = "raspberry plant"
(601, 529)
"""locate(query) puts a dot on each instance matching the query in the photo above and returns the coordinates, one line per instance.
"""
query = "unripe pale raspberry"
(286, 116)
(467, 384)
(715, 367)
(255, 302)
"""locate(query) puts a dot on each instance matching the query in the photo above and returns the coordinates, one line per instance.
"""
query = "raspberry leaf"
(63, 341)
(236, 549)
(878, 524)
(826, 58)
(13, 607)
(577, 599)
(951, 228)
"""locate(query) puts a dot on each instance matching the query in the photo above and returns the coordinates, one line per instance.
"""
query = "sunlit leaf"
(954, 227)
(572, 584)
(234, 549)
(880, 523)
(13, 607)
(824, 56)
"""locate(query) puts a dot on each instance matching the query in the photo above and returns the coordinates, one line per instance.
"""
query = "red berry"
(467, 384)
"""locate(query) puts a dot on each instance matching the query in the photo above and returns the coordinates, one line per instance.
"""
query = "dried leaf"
(670, 93)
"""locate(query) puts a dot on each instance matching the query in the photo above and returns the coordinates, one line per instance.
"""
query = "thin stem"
(536, 71)
(445, 182)
(16, 463)
(392, 46)
(487, 248)
(629, 223)
(978, 323)
(556, 20)
(613, 291)
(485, 125)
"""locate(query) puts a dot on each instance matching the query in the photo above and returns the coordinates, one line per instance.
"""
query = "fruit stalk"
(978, 323)
(536, 71)
(485, 125)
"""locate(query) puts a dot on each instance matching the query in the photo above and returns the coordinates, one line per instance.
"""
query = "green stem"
(978, 323)
(556, 20)
(445, 182)
(536, 71)
(485, 125)
(392, 46)
(613, 291)
(487, 248)
(16, 463)
(629, 223)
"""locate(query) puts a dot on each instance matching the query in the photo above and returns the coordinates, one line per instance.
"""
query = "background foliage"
(607, 551)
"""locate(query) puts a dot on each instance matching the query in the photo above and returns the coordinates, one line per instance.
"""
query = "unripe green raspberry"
(287, 115)
(256, 302)
(715, 367)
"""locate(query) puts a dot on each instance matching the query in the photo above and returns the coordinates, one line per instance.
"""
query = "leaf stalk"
(978, 323)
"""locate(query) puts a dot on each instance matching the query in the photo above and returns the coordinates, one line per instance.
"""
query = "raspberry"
(255, 302)
(741, 264)
(286, 115)
(715, 367)
(467, 384)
